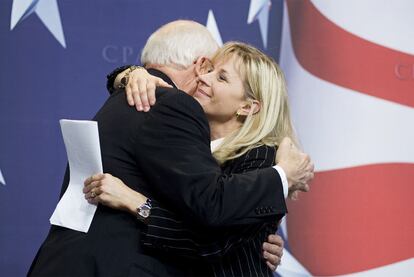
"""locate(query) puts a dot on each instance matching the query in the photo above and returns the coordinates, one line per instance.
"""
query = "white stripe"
(231, 269)
(166, 218)
(173, 247)
(257, 155)
(212, 27)
(173, 239)
(283, 227)
(227, 246)
(247, 261)
(400, 269)
(265, 158)
(239, 260)
(378, 21)
(290, 267)
(342, 128)
(222, 268)
(245, 159)
(170, 229)
(258, 249)
(214, 270)
(2, 181)
(251, 258)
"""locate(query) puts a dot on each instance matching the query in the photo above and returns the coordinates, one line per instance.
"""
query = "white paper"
(81, 139)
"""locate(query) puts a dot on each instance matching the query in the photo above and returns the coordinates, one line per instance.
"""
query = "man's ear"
(202, 65)
(248, 106)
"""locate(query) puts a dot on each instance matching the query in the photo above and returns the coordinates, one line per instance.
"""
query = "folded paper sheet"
(81, 139)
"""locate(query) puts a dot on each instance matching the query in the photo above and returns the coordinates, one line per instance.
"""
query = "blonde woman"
(244, 98)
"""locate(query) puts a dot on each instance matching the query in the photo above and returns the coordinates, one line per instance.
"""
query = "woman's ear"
(248, 106)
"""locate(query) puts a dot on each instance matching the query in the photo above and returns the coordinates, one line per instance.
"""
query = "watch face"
(144, 211)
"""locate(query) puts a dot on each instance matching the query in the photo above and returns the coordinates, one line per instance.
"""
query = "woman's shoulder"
(255, 158)
(260, 152)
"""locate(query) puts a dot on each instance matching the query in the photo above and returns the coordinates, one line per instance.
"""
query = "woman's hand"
(112, 192)
(140, 89)
(273, 251)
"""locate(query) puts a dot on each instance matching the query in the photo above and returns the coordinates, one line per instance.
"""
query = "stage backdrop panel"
(350, 71)
(55, 55)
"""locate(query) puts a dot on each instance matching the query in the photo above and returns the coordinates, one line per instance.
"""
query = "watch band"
(110, 78)
(125, 79)
(144, 211)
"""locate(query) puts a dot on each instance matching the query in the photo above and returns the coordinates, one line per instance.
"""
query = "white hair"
(178, 43)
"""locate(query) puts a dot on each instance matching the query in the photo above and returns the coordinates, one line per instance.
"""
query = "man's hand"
(273, 251)
(140, 89)
(297, 166)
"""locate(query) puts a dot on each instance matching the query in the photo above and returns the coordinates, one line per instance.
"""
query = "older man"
(112, 246)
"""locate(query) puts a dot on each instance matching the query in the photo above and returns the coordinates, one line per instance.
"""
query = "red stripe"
(354, 219)
(335, 55)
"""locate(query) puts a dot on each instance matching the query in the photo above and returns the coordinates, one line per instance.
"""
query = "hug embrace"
(200, 155)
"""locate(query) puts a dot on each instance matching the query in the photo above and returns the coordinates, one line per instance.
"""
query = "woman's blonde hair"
(263, 81)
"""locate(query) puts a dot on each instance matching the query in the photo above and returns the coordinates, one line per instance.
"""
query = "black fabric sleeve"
(110, 78)
(187, 176)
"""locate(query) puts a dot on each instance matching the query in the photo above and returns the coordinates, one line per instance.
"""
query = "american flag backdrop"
(350, 71)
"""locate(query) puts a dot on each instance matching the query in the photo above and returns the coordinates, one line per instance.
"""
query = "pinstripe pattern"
(226, 251)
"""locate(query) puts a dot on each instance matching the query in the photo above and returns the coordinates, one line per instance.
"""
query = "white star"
(46, 10)
(2, 179)
(259, 10)
(212, 27)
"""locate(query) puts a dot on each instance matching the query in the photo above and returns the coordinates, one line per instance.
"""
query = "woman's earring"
(237, 114)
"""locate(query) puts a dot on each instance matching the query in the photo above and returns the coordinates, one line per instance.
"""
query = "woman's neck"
(222, 129)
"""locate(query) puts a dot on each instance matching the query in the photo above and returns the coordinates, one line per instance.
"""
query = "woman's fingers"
(275, 239)
(273, 250)
(93, 190)
(151, 86)
(141, 89)
(161, 83)
(94, 201)
(142, 94)
(271, 260)
(93, 178)
(92, 183)
(271, 266)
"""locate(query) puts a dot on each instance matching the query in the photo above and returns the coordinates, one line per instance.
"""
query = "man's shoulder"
(177, 106)
(180, 101)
